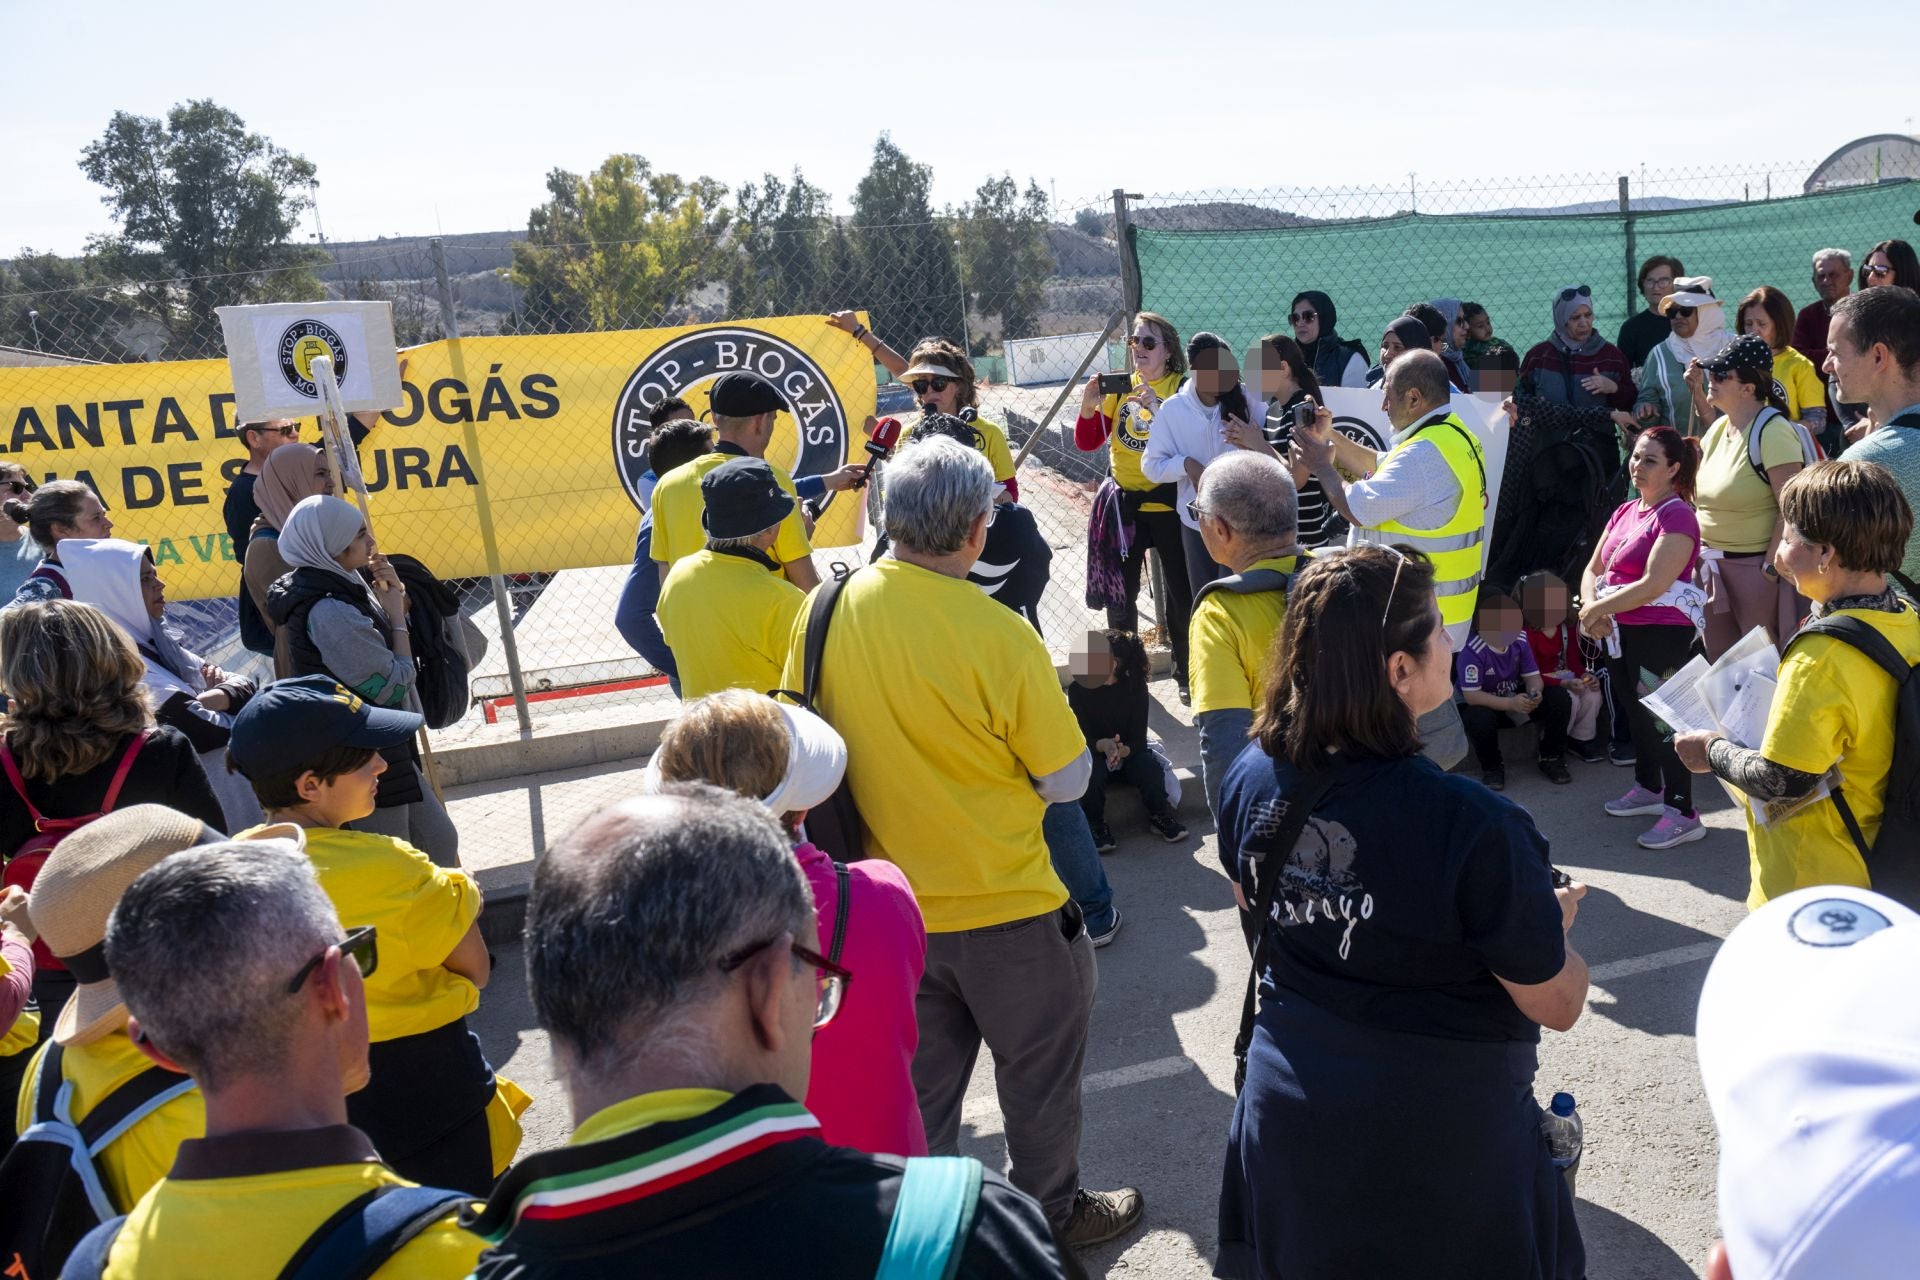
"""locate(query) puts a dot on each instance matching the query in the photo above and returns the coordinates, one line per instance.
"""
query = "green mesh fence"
(1239, 283)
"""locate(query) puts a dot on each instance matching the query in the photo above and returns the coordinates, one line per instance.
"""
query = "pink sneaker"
(1637, 803)
(1673, 828)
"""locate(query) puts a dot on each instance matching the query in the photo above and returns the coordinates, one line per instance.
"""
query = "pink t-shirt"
(1629, 540)
(862, 1090)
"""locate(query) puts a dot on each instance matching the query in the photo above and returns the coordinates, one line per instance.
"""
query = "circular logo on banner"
(685, 365)
(304, 342)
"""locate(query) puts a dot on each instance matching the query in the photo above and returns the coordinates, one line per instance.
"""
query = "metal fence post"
(483, 510)
(1626, 218)
(1129, 265)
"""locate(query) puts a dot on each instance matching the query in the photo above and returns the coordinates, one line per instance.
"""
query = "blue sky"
(448, 116)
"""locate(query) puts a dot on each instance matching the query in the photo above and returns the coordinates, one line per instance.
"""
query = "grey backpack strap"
(1248, 583)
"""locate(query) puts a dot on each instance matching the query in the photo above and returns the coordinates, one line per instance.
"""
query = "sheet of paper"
(1678, 703)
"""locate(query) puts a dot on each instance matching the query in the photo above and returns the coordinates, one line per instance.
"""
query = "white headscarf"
(1709, 336)
(318, 529)
(105, 573)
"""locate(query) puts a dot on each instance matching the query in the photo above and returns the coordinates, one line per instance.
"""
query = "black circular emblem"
(686, 364)
(304, 342)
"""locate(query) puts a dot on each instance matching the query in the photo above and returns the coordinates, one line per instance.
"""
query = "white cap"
(1809, 1042)
(816, 761)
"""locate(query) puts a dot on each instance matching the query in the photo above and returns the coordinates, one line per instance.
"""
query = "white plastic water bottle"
(1561, 1125)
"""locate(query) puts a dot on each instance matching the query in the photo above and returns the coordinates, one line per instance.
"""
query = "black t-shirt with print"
(1409, 890)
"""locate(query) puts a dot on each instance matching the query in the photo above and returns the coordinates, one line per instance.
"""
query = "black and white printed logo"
(304, 342)
(688, 363)
(1836, 922)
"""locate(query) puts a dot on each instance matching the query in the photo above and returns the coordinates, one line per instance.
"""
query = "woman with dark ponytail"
(1413, 946)
(58, 509)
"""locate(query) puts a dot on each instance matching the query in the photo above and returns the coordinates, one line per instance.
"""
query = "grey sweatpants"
(1027, 990)
(425, 825)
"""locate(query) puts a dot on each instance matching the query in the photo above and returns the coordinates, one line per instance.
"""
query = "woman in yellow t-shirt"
(1739, 512)
(1121, 423)
(1846, 529)
(1767, 314)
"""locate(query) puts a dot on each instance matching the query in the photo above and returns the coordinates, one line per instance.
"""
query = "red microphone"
(886, 435)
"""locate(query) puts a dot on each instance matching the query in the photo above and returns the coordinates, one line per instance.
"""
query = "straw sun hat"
(75, 892)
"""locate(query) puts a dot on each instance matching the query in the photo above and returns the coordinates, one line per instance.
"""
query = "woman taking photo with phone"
(1414, 944)
(1121, 422)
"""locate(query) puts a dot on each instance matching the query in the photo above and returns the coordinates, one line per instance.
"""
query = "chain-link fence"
(473, 476)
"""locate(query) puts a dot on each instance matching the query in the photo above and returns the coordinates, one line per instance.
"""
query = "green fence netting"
(1239, 283)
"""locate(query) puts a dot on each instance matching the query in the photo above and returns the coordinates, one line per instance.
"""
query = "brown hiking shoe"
(1100, 1216)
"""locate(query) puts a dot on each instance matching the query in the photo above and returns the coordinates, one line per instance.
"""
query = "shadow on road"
(1618, 1249)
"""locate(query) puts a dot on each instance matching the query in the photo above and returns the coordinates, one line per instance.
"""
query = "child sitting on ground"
(1501, 684)
(1554, 636)
(434, 1107)
(1109, 698)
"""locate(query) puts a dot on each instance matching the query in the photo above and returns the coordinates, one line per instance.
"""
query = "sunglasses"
(19, 486)
(360, 943)
(1578, 291)
(1301, 317)
(287, 433)
(1401, 558)
(831, 977)
(1145, 341)
(1875, 271)
(1680, 313)
(922, 386)
(1196, 512)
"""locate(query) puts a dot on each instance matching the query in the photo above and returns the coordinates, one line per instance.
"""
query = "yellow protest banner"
(557, 424)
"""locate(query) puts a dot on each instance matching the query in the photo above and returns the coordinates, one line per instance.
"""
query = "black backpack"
(49, 1183)
(1554, 497)
(359, 1239)
(834, 826)
(1893, 862)
(440, 658)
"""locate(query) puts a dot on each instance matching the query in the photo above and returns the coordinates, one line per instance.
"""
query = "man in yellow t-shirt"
(72, 897)
(271, 1019)
(726, 612)
(1247, 510)
(958, 737)
(745, 407)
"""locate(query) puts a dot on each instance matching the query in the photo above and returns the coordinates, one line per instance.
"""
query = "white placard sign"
(271, 349)
(1357, 414)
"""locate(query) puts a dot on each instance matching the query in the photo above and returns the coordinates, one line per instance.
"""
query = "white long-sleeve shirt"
(1184, 428)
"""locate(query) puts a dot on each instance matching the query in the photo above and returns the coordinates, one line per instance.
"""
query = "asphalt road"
(1159, 1073)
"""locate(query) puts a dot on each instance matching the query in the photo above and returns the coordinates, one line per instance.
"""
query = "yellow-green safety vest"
(1455, 547)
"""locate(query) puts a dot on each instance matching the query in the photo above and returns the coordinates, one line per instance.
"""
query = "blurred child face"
(1546, 604)
(1480, 327)
(1091, 662)
(1499, 623)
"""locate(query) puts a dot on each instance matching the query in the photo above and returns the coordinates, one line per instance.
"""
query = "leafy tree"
(1091, 221)
(622, 246)
(1003, 246)
(61, 306)
(205, 210)
(782, 250)
(903, 252)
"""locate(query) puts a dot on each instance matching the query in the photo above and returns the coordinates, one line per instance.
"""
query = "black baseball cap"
(742, 394)
(1748, 351)
(742, 498)
(290, 723)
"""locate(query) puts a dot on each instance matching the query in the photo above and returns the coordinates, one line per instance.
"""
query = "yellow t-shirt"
(247, 1228)
(994, 437)
(421, 911)
(1736, 507)
(727, 620)
(1231, 640)
(678, 505)
(141, 1156)
(1128, 443)
(949, 704)
(1833, 704)
(1802, 381)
